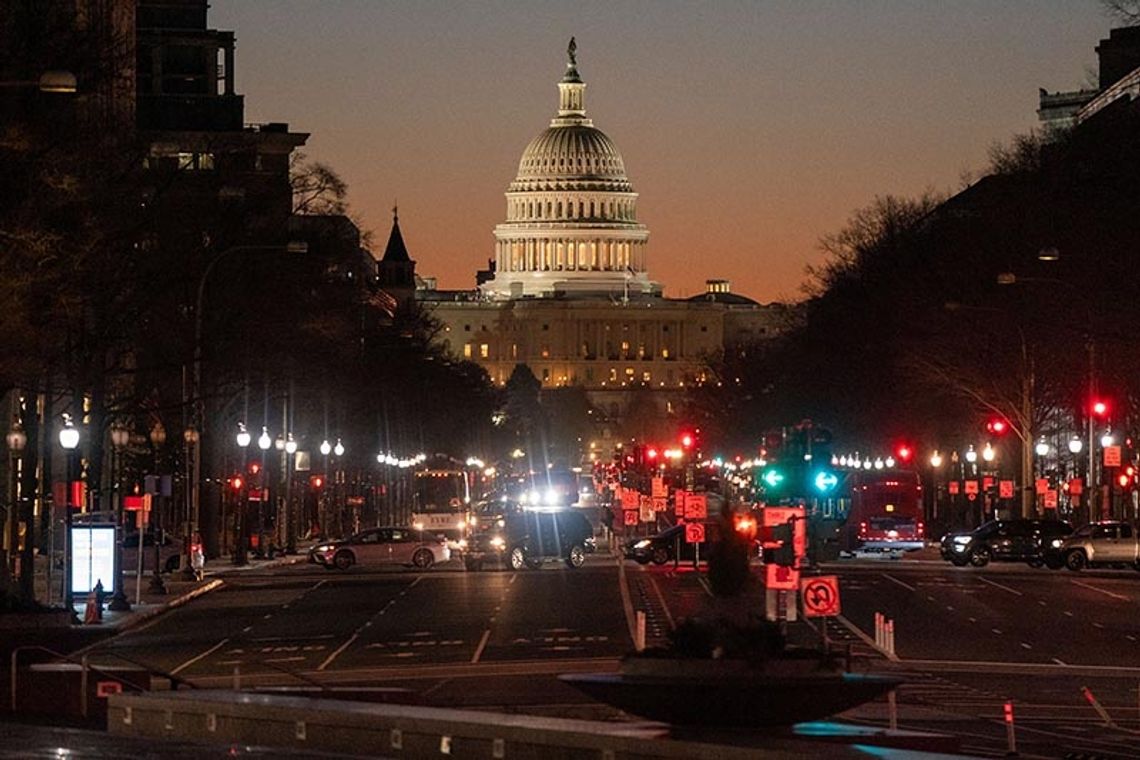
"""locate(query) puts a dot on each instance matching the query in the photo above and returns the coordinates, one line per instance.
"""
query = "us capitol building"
(568, 292)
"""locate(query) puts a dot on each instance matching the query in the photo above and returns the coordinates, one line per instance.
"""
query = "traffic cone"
(91, 612)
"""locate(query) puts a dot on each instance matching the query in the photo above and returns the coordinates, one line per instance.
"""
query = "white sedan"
(383, 546)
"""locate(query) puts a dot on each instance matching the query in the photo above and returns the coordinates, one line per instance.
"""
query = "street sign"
(133, 503)
(679, 498)
(1051, 499)
(1005, 489)
(104, 689)
(696, 507)
(1041, 485)
(1076, 486)
(629, 517)
(820, 596)
(694, 533)
(630, 499)
(795, 515)
(658, 488)
(971, 486)
(645, 508)
(660, 503)
(1111, 456)
(953, 487)
(987, 483)
(781, 578)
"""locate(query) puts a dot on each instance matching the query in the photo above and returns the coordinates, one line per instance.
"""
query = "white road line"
(893, 579)
(996, 630)
(286, 659)
(1102, 591)
(1025, 646)
(1060, 662)
(661, 598)
(482, 644)
(1068, 614)
(338, 650)
(1003, 588)
(193, 660)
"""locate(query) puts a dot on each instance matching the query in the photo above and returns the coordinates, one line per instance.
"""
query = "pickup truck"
(1101, 544)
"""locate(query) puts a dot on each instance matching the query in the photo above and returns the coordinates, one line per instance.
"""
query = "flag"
(384, 301)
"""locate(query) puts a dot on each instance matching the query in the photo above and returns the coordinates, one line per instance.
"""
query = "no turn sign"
(820, 596)
(694, 533)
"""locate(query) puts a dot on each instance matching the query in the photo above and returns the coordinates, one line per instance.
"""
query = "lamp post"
(240, 558)
(322, 506)
(263, 443)
(17, 439)
(290, 518)
(190, 438)
(157, 587)
(120, 437)
(69, 440)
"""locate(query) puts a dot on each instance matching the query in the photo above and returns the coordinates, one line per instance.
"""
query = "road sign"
(971, 486)
(694, 533)
(1076, 486)
(1005, 489)
(1041, 485)
(660, 503)
(630, 499)
(781, 578)
(795, 515)
(952, 487)
(820, 596)
(104, 689)
(646, 510)
(1051, 499)
(679, 502)
(1111, 456)
(658, 488)
(629, 517)
(696, 507)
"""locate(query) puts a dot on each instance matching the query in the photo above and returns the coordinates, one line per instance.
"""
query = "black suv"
(529, 538)
(1004, 540)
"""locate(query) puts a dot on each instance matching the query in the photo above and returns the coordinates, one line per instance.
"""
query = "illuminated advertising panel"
(92, 558)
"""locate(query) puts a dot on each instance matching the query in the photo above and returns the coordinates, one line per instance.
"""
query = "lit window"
(185, 160)
(629, 372)
(546, 352)
(664, 353)
(466, 350)
(514, 350)
(206, 161)
(546, 376)
(484, 350)
(645, 378)
(625, 346)
(613, 374)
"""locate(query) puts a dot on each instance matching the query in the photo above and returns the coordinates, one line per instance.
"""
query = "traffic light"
(651, 455)
(316, 482)
(785, 553)
(1123, 480)
(997, 426)
(824, 481)
(687, 440)
(236, 483)
(773, 478)
(254, 468)
(1099, 408)
(904, 453)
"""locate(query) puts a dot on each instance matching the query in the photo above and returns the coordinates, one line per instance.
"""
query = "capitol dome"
(571, 224)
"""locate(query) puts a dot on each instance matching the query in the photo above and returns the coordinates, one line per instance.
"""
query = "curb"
(142, 617)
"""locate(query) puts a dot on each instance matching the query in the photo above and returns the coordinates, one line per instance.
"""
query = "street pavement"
(967, 640)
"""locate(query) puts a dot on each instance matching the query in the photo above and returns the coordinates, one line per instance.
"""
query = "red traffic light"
(651, 453)
(997, 426)
(316, 481)
(1099, 408)
(254, 468)
(1123, 480)
(687, 440)
(904, 453)
(236, 482)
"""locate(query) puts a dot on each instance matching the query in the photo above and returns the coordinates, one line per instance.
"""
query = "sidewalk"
(150, 604)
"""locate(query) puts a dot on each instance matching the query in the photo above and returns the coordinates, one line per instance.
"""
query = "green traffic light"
(773, 478)
(825, 481)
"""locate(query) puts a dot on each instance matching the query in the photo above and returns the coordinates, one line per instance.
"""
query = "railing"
(85, 667)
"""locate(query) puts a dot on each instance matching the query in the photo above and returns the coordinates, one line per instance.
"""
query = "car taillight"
(862, 530)
(921, 530)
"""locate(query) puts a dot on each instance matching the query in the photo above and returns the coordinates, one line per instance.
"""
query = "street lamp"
(290, 518)
(326, 448)
(339, 448)
(936, 459)
(243, 436)
(191, 438)
(157, 587)
(1107, 439)
(263, 440)
(988, 453)
(17, 439)
(120, 437)
(279, 442)
(69, 440)
(971, 454)
(1042, 448)
(1076, 444)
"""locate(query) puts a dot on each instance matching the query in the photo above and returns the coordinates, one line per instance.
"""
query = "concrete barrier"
(354, 728)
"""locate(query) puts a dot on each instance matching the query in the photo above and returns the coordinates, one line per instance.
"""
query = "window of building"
(624, 347)
(645, 377)
(589, 374)
(664, 353)
(704, 328)
(484, 350)
(641, 351)
(629, 373)
(546, 327)
(664, 328)
(545, 352)
(466, 350)
(613, 374)
(546, 375)
(514, 350)
(466, 328)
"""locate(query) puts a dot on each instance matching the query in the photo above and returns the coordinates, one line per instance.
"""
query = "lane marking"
(1025, 646)
(893, 579)
(338, 650)
(1060, 662)
(286, 659)
(1122, 597)
(661, 598)
(1068, 614)
(193, 660)
(996, 630)
(479, 649)
(1002, 587)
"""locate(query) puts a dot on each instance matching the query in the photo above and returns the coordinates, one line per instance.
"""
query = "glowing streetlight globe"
(243, 436)
(1075, 444)
(988, 453)
(935, 459)
(1107, 440)
(339, 448)
(68, 434)
(263, 440)
(290, 445)
(971, 455)
(1041, 448)
(326, 447)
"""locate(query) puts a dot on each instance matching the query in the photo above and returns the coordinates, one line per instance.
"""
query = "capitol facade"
(568, 292)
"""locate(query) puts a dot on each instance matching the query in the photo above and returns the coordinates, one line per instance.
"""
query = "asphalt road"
(967, 640)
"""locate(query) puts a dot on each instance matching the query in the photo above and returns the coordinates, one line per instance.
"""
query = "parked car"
(383, 546)
(1101, 543)
(1028, 541)
(530, 538)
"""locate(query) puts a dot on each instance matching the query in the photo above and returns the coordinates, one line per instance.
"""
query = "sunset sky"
(749, 129)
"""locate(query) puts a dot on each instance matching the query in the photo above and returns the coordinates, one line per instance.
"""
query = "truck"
(1101, 544)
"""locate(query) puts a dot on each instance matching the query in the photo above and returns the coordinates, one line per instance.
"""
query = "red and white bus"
(876, 511)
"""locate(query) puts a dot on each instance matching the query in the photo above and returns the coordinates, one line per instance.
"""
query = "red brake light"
(921, 530)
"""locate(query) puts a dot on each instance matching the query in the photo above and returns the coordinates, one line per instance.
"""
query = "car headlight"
(462, 543)
(498, 542)
(961, 540)
(324, 549)
(500, 523)
(959, 547)
(643, 543)
(1056, 543)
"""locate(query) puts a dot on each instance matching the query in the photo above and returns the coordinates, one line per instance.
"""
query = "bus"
(441, 499)
(874, 511)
